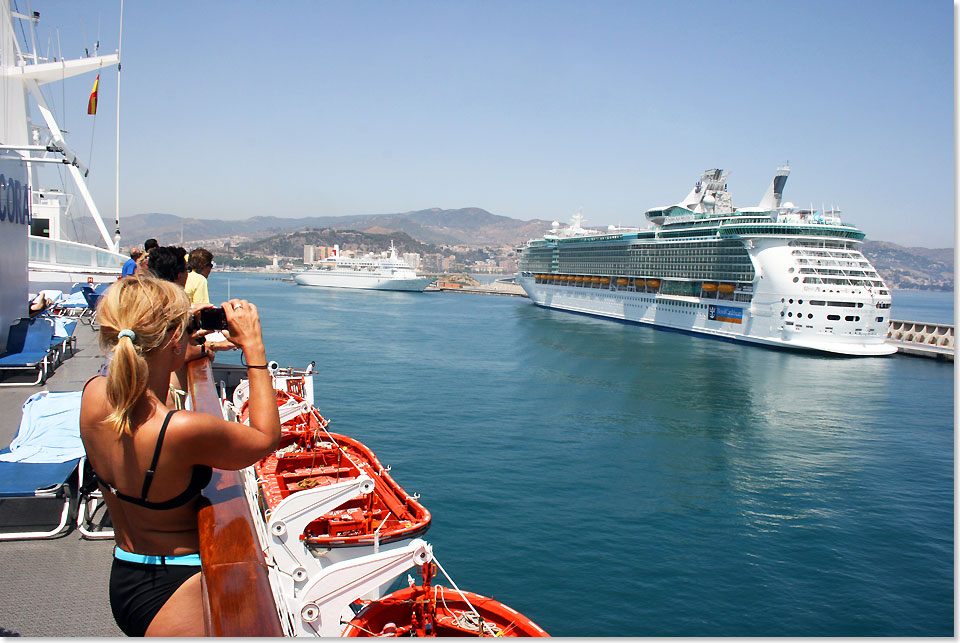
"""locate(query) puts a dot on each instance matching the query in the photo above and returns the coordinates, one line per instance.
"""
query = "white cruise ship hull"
(360, 280)
(757, 322)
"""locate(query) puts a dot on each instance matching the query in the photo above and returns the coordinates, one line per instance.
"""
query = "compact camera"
(211, 319)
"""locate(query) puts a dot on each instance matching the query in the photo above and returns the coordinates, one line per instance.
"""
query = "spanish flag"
(92, 105)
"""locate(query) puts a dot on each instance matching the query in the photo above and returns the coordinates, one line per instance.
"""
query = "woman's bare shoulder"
(93, 404)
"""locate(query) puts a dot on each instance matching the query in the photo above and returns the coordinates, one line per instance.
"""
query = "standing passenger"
(130, 266)
(168, 263)
(148, 247)
(201, 263)
(151, 462)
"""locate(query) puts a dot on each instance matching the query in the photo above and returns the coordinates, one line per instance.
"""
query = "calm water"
(607, 479)
(922, 306)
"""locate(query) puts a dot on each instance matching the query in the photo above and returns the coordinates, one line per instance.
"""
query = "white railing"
(71, 253)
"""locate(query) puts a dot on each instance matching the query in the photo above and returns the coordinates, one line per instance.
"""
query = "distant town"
(244, 254)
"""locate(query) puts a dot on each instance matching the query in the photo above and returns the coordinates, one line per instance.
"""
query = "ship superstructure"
(55, 261)
(771, 274)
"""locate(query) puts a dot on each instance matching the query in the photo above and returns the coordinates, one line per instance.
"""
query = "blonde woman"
(151, 462)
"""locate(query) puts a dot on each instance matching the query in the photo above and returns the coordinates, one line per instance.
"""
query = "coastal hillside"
(464, 226)
(291, 244)
(917, 268)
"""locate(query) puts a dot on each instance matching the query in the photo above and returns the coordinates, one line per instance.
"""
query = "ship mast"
(116, 196)
(22, 73)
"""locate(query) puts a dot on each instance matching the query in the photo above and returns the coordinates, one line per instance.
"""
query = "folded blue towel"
(64, 327)
(49, 429)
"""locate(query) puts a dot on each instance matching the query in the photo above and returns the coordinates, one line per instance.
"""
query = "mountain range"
(901, 267)
(464, 226)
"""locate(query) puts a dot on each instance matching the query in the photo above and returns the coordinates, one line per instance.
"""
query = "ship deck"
(56, 587)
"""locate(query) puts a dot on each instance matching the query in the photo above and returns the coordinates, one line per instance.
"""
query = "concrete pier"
(921, 339)
(495, 288)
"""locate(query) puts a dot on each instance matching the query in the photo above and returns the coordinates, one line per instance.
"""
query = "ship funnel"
(771, 200)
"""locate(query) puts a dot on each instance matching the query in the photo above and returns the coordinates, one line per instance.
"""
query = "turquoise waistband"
(185, 559)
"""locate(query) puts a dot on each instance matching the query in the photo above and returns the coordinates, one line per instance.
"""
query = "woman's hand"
(243, 322)
(197, 332)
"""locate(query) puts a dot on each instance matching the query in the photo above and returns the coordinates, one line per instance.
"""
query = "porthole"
(791, 301)
(796, 279)
(833, 317)
(879, 319)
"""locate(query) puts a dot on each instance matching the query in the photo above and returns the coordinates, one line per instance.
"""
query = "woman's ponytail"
(126, 382)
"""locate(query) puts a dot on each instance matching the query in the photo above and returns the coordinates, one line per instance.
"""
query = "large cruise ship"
(370, 272)
(771, 274)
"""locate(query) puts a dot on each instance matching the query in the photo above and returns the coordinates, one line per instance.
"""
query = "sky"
(530, 109)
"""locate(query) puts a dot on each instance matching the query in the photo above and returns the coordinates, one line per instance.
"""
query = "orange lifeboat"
(709, 286)
(604, 280)
(726, 288)
(653, 283)
(308, 456)
(595, 280)
(622, 281)
(425, 610)
(639, 283)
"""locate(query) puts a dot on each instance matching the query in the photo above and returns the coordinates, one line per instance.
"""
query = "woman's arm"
(230, 445)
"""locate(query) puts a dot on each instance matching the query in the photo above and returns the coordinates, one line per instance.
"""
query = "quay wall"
(922, 339)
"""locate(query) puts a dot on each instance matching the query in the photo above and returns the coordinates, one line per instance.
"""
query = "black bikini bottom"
(138, 591)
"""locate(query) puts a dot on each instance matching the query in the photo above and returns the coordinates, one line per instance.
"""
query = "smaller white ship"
(385, 271)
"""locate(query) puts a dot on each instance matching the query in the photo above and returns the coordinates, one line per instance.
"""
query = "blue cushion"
(22, 479)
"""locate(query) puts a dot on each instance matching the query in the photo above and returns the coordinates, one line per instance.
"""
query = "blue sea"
(608, 479)
(922, 306)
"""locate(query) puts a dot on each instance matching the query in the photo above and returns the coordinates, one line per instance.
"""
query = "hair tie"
(126, 332)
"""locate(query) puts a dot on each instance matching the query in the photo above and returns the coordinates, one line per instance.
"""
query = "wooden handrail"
(237, 598)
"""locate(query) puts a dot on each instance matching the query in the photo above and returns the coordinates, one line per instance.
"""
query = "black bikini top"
(200, 479)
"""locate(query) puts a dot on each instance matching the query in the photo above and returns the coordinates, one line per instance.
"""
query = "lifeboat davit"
(434, 610)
